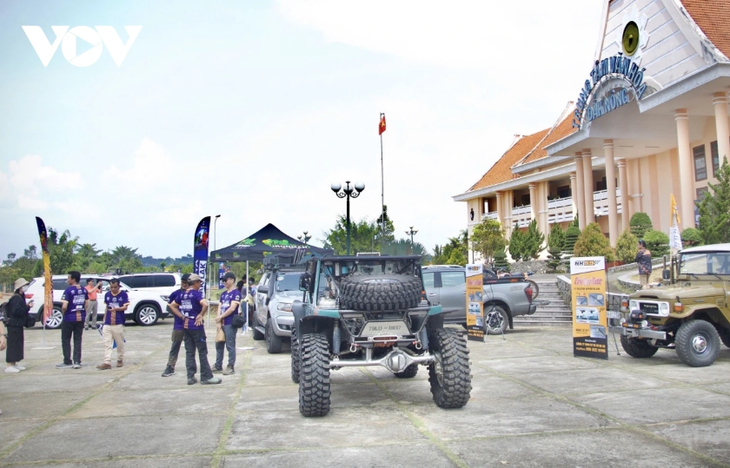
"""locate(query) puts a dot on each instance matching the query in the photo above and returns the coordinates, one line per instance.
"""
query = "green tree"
(571, 236)
(626, 247)
(61, 250)
(487, 238)
(127, 259)
(691, 237)
(363, 237)
(657, 242)
(714, 208)
(500, 259)
(516, 244)
(455, 249)
(640, 223)
(532, 242)
(383, 237)
(593, 243)
(556, 242)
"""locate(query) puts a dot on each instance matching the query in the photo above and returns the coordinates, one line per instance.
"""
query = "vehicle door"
(453, 294)
(429, 285)
(262, 305)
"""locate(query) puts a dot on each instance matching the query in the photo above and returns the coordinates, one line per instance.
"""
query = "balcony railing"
(491, 215)
(560, 210)
(522, 215)
(600, 202)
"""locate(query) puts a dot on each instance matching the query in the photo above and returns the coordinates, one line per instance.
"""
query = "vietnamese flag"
(381, 127)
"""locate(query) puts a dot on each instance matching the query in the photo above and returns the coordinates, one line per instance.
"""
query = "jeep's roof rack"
(367, 254)
(442, 266)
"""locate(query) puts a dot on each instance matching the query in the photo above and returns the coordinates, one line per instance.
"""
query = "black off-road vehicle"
(372, 311)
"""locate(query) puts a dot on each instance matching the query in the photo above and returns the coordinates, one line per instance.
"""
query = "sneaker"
(192, 381)
(104, 366)
(11, 370)
(76, 365)
(63, 365)
(217, 370)
(168, 372)
(211, 381)
(229, 371)
(19, 367)
(120, 363)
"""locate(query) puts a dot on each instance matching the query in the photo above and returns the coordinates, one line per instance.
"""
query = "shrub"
(626, 247)
(593, 243)
(516, 244)
(500, 259)
(691, 237)
(532, 242)
(657, 242)
(556, 241)
(640, 223)
(571, 236)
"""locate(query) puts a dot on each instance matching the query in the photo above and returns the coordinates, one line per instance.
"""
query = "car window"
(60, 285)
(449, 279)
(135, 281)
(428, 280)
(287, 281)
(163, 280)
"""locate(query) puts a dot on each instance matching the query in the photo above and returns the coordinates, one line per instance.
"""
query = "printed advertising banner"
(475, 302)
(588, 290)
(200, 251)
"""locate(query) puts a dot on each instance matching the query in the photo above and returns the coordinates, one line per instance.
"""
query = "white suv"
(145, 307)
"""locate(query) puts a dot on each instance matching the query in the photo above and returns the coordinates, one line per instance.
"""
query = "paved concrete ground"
(533, 404)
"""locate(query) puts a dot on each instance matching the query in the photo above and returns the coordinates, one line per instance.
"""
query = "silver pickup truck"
(504, 298)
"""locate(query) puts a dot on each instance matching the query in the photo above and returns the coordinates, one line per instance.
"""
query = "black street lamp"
(304, 237)
(348, 192)
(411, 232)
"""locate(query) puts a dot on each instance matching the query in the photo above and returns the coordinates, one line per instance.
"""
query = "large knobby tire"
(449, 375)
(638, 348)
(697, 343)
(295, 356)
(724, 335)
(380, 292)
(273, 342)
(495, 319)
(257, 335)
(408, 373)
(314, 376)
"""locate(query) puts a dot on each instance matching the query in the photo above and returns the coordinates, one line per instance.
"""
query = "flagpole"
(382, 188)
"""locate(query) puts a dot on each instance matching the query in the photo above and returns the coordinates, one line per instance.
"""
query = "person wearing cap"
(17, 312)
(229, 302)
(192, 306)
(177, 328)
(73, 306)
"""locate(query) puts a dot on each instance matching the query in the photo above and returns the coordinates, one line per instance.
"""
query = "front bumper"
(639, 332)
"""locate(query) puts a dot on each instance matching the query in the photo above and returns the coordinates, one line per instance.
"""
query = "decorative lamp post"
(348, 192)
(215, 230)
(411, 232)
(304, 237)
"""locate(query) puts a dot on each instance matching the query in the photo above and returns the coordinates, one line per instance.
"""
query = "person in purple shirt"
(192, 306)
(229, 302)
(73, 306)
(116, 303)
(177, 328)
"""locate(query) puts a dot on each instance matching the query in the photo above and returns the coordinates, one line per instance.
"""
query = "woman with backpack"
(16, 313)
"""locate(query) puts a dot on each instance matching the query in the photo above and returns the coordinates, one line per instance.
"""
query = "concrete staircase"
(551, 309)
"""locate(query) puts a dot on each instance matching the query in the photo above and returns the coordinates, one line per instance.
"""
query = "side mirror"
(263, 289)
(666, 274)
(305, 281)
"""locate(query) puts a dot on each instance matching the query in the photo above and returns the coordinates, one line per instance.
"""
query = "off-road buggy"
(372, 311)
(690, 313)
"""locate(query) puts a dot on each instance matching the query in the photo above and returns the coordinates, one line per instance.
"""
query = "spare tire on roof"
(380, 292)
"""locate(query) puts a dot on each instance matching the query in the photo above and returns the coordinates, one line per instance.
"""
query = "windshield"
(288, 281)
(705, 263)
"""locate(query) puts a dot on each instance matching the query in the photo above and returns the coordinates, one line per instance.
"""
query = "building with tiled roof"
(649, 121)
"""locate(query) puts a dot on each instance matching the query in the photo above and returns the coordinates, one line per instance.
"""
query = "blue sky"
(252, 109)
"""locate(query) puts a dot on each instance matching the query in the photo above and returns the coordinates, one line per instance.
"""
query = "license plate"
(612, 314)
(385, 329)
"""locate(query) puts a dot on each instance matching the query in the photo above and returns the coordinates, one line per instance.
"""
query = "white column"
(500, 209)
(611, 192)
(588, 184)
(719, 100)
(579, 195)
(686, 171)
(623, 180)
(574, 192)
(534, 208)
(508, 206)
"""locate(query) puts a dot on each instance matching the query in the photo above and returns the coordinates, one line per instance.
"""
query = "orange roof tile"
(501, 171)
(562, 130)
(713, 18)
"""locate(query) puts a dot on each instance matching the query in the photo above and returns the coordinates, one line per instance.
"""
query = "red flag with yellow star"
(381, 127)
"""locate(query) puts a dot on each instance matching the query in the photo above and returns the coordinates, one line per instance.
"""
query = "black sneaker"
(229, 371)
(211, 381)
(192, 381)
(168, 371)
(63, 365)
(217, 370)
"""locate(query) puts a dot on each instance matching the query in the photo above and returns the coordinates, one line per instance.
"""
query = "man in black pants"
(177, 328)
(73, 306)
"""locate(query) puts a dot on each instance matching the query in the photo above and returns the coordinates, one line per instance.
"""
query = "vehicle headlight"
(285, 306)
(165, 298)
(633, 305)
(663, 308)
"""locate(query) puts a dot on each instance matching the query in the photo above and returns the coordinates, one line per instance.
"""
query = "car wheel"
(495, 319)
(314, 377)
(55, 320)
(449, 374)
(257, 335)
(273, 342)
(637, 348)
(697, 343)
(295, 357)
(408, 373)
(146, 315)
